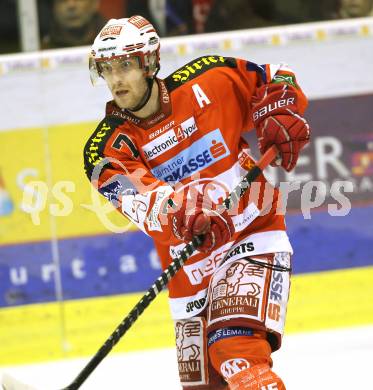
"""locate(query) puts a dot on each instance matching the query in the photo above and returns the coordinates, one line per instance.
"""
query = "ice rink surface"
(329, 360)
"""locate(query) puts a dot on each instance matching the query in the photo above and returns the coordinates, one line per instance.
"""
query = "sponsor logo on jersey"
(234, 292)
(233, 366)
(157, 118)
(112, 191)
(161, 130)
(242, 220)
(201, 154)
(92, 151)
(276, 291)
(120, 113)
(228, 332)
(245, 160)
(118, 188)
(159, 206)
(284, 78)
(197, 271)
(190, 351)
(243, 248)
(183, 74)
(276, 284)
(164, 93)
(197, 304)
(169, 139)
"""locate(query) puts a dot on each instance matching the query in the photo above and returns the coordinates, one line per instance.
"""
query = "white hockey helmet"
(123, 38)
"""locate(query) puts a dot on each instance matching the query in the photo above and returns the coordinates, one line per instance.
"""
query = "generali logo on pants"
(235, 294)
(188, 350)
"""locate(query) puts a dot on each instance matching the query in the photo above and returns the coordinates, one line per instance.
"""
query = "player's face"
(125, 80)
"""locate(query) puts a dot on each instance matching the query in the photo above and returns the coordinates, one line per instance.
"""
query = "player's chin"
(126, 103)
(123, 102)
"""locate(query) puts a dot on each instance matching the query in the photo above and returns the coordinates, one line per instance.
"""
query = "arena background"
(68, 277)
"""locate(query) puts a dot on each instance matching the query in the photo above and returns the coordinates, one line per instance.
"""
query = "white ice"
(328, 360)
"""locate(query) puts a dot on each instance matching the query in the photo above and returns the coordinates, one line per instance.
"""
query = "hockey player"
(180, 138)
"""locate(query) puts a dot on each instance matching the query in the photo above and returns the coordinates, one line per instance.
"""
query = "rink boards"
(326, 300)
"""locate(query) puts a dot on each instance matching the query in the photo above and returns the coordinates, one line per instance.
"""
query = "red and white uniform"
(195, 139)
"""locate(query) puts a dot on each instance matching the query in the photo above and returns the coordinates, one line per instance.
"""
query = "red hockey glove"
(276, 118)
(195, 217)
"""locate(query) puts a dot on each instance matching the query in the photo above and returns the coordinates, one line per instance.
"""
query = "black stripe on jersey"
(94, 148)
(260, 69)
(117, 144)
(196, 67)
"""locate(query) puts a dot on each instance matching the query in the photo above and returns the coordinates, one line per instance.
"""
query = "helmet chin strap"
(148, 93)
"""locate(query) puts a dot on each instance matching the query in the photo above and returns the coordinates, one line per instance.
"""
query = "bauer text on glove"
(278, 122)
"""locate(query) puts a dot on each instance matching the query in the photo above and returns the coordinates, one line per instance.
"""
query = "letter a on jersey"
(201, 97)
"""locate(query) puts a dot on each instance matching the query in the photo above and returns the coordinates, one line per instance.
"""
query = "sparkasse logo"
(201, 154)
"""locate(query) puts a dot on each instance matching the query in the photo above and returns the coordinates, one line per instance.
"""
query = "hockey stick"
(165, 276)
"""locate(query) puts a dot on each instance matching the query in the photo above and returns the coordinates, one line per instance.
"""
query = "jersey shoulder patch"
(94, 148)
(197, 67)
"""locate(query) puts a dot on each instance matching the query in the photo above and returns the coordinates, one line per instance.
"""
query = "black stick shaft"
(134, 314)
(166, 276)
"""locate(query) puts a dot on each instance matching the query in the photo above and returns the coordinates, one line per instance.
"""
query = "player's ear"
(153, 63)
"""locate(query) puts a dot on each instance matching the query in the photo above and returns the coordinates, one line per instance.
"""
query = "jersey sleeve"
(249, 77)
(126, 182)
